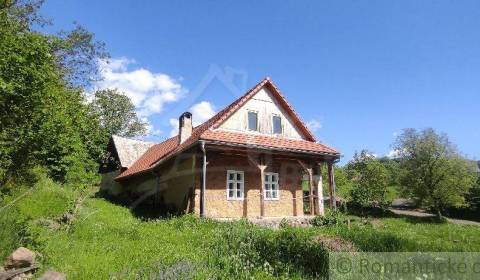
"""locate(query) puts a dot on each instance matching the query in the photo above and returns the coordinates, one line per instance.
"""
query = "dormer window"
(252, 120)
(277, 124)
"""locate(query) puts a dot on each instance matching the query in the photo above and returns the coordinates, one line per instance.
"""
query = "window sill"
(235, 199)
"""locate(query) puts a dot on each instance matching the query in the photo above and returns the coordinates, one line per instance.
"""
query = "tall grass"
(21, 208)
(247, 251)
(109, 241)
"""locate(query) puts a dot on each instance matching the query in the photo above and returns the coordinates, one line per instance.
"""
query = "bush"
(370, 178)
(331, 218)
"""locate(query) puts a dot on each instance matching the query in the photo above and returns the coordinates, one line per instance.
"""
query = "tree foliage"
(117, 114)
(44, 118)
(473, 197)
(434, 173)
(394, 170)
(370, 178)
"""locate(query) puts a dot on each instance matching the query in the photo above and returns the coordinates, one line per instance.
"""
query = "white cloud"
(201, 112)
(152, 131)
(116, 64)
(174, 125)
(393, 154)
(149, 91)
(314, 125)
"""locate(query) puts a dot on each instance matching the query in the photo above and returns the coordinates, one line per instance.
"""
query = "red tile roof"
(264, 141)
(207, 131)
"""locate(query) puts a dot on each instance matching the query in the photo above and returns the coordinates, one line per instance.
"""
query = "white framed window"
(271, 186)
(235, 183)
(252, 120)
(276, 124)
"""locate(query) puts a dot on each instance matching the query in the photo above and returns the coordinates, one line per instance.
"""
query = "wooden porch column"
(320, 206)
(204, 180)
(309, 170)
(331, 185)
(313, 207)
(262, 166)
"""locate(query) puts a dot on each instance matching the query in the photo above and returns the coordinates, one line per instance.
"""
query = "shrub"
(331, 218)
(370, 178)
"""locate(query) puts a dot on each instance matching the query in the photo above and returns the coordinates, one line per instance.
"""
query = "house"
(249, 160)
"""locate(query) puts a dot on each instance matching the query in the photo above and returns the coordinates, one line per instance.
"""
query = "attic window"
(253, 120)
(277, 124)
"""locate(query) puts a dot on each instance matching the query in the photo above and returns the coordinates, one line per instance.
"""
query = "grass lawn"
(108, 241)
(407, 234)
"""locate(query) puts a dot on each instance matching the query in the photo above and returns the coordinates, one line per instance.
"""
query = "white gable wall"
(266, 106)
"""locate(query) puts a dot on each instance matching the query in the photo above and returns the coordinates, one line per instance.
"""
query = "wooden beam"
(309, 170)
(262, 168)
(261, 164)
(331, 186)
(320, 206)
(10, 274)
(204, 180)
(287, 154)
(313, 207)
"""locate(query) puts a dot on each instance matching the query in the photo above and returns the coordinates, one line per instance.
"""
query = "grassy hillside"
(108, 241)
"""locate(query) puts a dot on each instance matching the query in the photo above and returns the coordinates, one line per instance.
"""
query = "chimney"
(184, 127)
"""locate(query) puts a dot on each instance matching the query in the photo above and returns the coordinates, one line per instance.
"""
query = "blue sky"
(357, 71)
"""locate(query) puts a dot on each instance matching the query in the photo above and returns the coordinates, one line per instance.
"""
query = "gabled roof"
(208, 131)
(268, 83)
(129, 150)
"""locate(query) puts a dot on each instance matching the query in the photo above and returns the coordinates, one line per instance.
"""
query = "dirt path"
(415, 213)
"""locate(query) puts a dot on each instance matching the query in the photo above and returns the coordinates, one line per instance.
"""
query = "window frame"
(273, 124)
(248, 121)
(277, 183)
(235, 182)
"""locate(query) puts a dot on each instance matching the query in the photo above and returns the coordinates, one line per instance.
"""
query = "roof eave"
(336, 155)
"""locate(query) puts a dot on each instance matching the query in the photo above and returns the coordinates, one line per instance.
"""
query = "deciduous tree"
(116, 113)
(434, 172)
(370, 178)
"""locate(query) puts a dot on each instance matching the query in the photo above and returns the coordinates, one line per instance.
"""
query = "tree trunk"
(439, 212)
